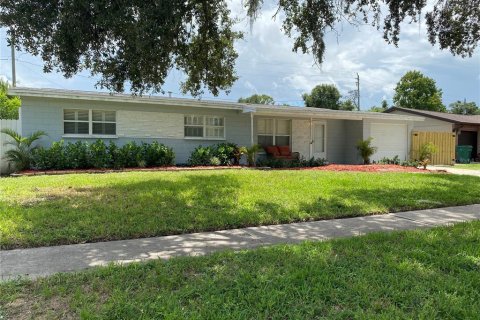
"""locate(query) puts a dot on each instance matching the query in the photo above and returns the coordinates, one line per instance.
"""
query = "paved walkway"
(37, 262)
(454, 170)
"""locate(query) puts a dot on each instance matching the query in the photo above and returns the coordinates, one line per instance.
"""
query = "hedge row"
(82, 155)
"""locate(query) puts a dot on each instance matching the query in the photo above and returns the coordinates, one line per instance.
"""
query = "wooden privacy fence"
(10, 124)
(445, 142)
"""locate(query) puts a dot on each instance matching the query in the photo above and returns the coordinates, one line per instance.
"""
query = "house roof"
(257, 109)
(448, 117)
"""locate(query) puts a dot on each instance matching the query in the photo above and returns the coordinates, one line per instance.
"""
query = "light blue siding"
(47, 115)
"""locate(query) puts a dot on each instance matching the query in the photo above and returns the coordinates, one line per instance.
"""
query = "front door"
(319, 139)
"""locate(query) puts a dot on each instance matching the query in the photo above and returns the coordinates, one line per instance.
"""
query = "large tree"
(257, 99)
(9, 105)
(138, 42)
(416, 91)
(466, 108)
(323, 96)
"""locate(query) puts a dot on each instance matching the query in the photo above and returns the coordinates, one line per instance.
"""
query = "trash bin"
(464, 154)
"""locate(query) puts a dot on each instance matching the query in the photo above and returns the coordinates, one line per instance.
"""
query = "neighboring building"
(466, 128)
(183, 124)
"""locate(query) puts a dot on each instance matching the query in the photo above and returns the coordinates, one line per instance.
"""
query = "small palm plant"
(21, 155)
(366, 149)
(252, 154)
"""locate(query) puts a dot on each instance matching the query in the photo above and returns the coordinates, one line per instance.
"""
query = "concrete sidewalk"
(37, 262)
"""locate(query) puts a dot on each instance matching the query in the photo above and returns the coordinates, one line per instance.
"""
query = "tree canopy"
(137, 43)
(9, 105)
(257, 99)
(382, 108)
(323, 96)
(416, 91)
(466, 108)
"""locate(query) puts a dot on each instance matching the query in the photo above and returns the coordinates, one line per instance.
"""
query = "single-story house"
(183, 124)
(466, 127)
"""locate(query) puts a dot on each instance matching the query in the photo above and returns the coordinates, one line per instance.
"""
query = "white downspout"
(251, 129)
(311, 139)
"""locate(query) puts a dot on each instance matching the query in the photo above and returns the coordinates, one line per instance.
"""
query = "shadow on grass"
(202, 202)
(432, 274)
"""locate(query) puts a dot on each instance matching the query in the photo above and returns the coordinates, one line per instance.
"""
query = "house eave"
(257, 110)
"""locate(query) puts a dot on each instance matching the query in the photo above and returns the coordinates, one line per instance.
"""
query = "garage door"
(390, 139)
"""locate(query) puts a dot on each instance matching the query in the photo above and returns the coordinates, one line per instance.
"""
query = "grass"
(470, 166)
(428, 274)
(53, 210)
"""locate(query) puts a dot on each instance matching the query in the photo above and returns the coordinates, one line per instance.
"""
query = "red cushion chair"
(273, 151)
(284, 151)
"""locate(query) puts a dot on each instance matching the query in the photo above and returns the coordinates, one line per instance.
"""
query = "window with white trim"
(76, 121)
(89, 122)
(274, 132)
(104, 122)
(207, 127)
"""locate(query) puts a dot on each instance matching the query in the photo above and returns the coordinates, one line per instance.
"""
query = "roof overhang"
(259, 110)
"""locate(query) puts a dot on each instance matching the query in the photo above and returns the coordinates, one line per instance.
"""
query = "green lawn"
(53, 210)
(470, 166)
(428, 274)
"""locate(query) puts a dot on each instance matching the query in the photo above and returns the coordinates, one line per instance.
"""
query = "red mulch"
(366, 168)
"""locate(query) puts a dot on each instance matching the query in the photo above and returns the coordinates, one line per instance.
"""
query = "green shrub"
(99, 156)
(366, 149)
(292, 163)
(77, 155)
(156, 154)
(201, 156)
(426, 153)
(227, 153)
(131, 154)
(394, 160)
(215, 161)
(81, 155)
(410, 163)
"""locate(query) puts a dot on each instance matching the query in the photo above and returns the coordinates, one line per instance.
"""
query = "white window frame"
(205, 126)
(90, 126)
(274, 134)
(103, 121)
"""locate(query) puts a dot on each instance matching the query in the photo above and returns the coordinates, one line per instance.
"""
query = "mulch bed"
(330, 167)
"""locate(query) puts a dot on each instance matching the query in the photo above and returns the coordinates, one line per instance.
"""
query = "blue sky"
(266, 64)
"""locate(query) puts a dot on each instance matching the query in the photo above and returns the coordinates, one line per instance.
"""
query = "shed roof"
(448, 117)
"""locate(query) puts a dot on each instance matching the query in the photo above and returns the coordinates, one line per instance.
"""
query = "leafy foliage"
(258, 99)
(382, 108)
(465, 108)
(426, 152)
(416, 91)
(252, 154)
(82, 155)
(366, 149)
(21, 155)
(224, 154)
(8, 105)
(293, 163)
(394, 160)
(139, 42)
(323, 96)
(347, 105)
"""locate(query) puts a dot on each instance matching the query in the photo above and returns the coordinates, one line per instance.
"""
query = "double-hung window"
(76, 121)
(103, 122)
(274, 132)
(206, 127)
(89, 122)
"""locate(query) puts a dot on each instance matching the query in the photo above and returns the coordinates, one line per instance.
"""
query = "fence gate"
(10, 124)
(445, 142)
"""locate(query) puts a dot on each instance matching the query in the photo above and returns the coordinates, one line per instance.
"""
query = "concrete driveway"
(452, 169)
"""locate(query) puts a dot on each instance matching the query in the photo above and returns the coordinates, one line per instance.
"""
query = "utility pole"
(14, 72)
(358, 91)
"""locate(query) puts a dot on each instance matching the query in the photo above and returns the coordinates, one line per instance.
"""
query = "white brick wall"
(139, 124)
